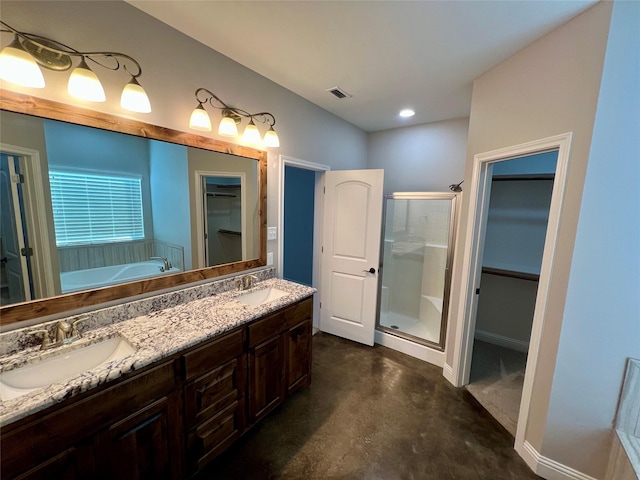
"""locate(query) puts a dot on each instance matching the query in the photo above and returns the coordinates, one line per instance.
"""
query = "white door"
(351, 251)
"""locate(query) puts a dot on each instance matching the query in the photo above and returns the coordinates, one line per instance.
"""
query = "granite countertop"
(155, 336)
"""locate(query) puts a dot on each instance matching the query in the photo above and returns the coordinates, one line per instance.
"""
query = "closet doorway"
(516, 226)
(471, 270)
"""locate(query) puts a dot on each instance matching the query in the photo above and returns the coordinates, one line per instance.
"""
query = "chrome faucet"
(165, 261)
(246, 282)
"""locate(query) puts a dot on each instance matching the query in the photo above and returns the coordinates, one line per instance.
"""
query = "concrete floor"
(373, 413)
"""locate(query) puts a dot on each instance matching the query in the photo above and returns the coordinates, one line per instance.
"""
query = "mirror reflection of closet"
(223, 219)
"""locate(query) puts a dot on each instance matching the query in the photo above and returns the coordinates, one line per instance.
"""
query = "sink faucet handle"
(62, 330)
(45, 338)
(75, 333)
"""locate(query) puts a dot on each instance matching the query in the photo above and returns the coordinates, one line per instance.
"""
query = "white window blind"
(91, 208)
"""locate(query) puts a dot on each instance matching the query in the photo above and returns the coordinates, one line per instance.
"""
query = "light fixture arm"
(235, 113)
(42, 48)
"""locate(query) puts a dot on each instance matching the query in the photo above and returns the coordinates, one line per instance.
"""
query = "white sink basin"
(260, 297)
(67, 364)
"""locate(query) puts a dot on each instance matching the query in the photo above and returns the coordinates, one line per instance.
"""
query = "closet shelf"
(534, 277)
(229, 232)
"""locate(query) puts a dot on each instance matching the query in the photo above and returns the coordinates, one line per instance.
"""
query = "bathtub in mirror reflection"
(90, 278)
(108, 202)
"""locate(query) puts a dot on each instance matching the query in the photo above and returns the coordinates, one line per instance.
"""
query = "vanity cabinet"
(279, 357)
(172, 418)
(128, 430)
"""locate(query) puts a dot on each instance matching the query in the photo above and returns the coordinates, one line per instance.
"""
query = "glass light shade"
(200, 119)
(228, 127)
(271, 138)
(18, 66)
(84, 84)
(251, 134)
(134, 98)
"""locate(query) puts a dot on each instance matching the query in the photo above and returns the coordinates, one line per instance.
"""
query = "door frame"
(319, 168)
(199, 177)
(44, 283)
(479, 193)
(19, 227)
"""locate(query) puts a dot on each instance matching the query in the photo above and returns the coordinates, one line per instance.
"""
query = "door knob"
(371, 270)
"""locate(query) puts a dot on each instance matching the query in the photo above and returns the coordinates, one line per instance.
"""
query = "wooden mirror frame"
(20, 103)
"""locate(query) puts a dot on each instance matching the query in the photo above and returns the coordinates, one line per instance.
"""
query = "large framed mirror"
(97, 208)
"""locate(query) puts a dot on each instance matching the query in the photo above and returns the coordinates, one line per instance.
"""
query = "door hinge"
(324, 189)
(477, 291)
(322, 249)
(17, 178)
(26, 251)
(320, 304)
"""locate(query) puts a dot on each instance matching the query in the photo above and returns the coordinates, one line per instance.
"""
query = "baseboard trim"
(502, 341)
(413, 349)
(547, 468)
(447, 373)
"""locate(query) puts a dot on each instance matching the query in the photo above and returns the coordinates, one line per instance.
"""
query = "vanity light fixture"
(231, 118)
(21, 60)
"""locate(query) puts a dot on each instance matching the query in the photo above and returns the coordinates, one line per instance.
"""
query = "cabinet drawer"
(214, 353)
(280, 321)
(211, 438)
(213, 391)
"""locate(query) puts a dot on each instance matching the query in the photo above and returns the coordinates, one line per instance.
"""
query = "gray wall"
(422, 158)
(174, 65)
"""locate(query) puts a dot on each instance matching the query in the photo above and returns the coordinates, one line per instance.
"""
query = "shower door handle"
(371, 270)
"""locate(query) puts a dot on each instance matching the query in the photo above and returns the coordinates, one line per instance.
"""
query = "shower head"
(456, 187)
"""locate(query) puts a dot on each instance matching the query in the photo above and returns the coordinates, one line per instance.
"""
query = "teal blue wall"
(299, 185)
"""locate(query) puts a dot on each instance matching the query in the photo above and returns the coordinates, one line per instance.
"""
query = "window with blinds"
(91, 208)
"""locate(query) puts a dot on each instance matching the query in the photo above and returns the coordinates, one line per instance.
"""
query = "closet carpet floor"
(496, 381)
(373, 413)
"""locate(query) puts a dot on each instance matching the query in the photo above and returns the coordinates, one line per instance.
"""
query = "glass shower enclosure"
(417, 252)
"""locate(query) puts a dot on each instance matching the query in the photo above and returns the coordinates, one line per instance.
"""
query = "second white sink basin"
(260, 297)
(67, 364)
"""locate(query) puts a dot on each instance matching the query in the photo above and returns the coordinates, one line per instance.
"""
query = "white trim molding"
(479, 193)
(547, 468)
(502, 341)
(199, 192)
(319, 168)
(447, 372)
(36, 202)
(413, 349)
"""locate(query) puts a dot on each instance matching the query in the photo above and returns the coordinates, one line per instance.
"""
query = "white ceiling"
(388, 54)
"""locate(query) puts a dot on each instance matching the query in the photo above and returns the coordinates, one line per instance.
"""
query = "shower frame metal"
(448, 265)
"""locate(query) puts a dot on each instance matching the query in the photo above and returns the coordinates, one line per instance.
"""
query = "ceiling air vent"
(338, 92)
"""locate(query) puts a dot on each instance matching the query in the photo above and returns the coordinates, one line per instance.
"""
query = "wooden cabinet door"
(298, 356)
(145, 445)
(266, 372)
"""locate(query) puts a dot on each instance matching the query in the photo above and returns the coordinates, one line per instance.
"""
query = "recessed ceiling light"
(407, 112)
